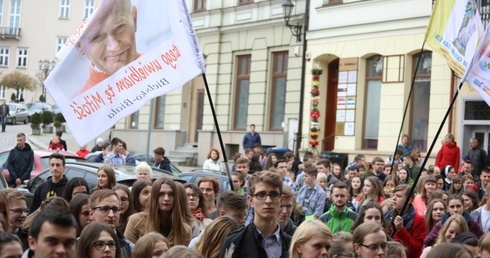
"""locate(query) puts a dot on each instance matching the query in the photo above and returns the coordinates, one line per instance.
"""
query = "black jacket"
(20, 163)
(165, 164)
(46, 190)
(248, 243)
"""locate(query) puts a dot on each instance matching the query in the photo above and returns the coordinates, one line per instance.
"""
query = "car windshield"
(37, 106)
(12, 107)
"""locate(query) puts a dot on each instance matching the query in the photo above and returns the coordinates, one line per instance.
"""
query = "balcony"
(9, 33)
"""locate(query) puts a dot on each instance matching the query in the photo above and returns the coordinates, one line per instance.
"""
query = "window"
(241, 93)
(419, 117)
(64, 8)
(199, 5)
(88, 8)
(60, 42)
(4, 56)
(372, 103)
(278, 96)
(245, 1)
(159, 112)
(3, 92)
(22, 57)
(1, 11)
(14, 16)
(134, 120)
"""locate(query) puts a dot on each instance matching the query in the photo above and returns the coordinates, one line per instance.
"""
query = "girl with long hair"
(435, 210)
(127, 208)
(106, 178)
(372, 191)
(140, 194)
(209, 245)
(421, 201)
(166, 214)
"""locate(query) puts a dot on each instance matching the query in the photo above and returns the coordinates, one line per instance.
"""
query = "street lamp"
(46, 67)
(296, 30)
(287, 10)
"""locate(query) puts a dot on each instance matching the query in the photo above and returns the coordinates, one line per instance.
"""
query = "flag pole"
(406, 105)
(412, 190)
(218, 131)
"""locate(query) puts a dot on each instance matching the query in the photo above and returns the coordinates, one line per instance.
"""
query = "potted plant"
(58, 122)
(47, 119)
(35, 123)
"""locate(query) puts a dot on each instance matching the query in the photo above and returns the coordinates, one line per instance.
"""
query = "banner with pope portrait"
(122, 56)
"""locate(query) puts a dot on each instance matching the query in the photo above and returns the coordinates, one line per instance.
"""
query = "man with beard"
(105, 208)
(339, 217)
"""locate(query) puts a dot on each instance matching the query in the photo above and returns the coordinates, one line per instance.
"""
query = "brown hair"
(209, 245)
(211, 150)
(99, 195)
(212, 180)
(428, 213)
(266, 177)
(111, 177)
(180, 231)
(145, 244)
(90, 234)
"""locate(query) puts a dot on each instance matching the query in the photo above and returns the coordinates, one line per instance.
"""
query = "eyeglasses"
(100, 245)
(19, 211)
(376, 247)
(106, 209)
(194, 195)
(124, 199)
(263, 195)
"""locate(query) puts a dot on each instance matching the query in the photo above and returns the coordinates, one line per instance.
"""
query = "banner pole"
(405, 205)
(407, 104)
(218, 131)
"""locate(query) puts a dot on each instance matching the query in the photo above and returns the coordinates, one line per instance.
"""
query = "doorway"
(331, 106)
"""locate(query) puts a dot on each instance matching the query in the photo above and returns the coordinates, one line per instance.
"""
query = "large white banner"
(122, 56)
(478, 75)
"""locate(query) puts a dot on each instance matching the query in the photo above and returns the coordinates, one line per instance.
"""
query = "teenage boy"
(263, 237)
(311, 196)
(53, 233)
(105, 207)
(56, 182)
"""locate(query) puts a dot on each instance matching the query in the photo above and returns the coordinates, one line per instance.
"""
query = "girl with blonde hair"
(311, 239)
(152, 244)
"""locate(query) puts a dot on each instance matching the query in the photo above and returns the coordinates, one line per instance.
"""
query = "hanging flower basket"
(315, 112)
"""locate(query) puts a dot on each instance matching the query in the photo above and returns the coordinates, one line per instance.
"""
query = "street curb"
(33, 141)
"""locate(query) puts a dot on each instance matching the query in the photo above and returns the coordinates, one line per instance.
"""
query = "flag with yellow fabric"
(454, 31)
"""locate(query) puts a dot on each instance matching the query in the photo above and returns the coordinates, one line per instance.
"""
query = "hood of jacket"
(61, 183)
(465, 215)
(451, 145)
(27, 147)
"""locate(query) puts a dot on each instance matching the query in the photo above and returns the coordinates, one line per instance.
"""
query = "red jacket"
(413, 239)
(448, 155)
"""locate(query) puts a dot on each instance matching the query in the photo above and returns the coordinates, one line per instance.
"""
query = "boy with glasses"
(17, 214)
(105, 208)
(263, 237)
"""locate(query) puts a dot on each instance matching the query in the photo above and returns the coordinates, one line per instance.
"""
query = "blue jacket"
(249, 140)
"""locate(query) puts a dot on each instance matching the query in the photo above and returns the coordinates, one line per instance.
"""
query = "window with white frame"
(1, 11)
(14, 19)
(88, 8)
(64, 8)
(22, 57)
(60, 42)
(4, 56)
(3, 92)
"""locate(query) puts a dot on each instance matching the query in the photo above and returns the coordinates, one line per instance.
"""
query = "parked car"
(125, 174)
(41, 160)
(29, 196)
(17, 113)
(38, 107)
(194, 175)
(139, 157)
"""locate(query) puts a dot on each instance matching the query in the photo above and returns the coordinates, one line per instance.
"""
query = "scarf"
(407, 217)
(198, 214)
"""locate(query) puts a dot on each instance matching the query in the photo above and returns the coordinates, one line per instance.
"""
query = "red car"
(41, 160)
